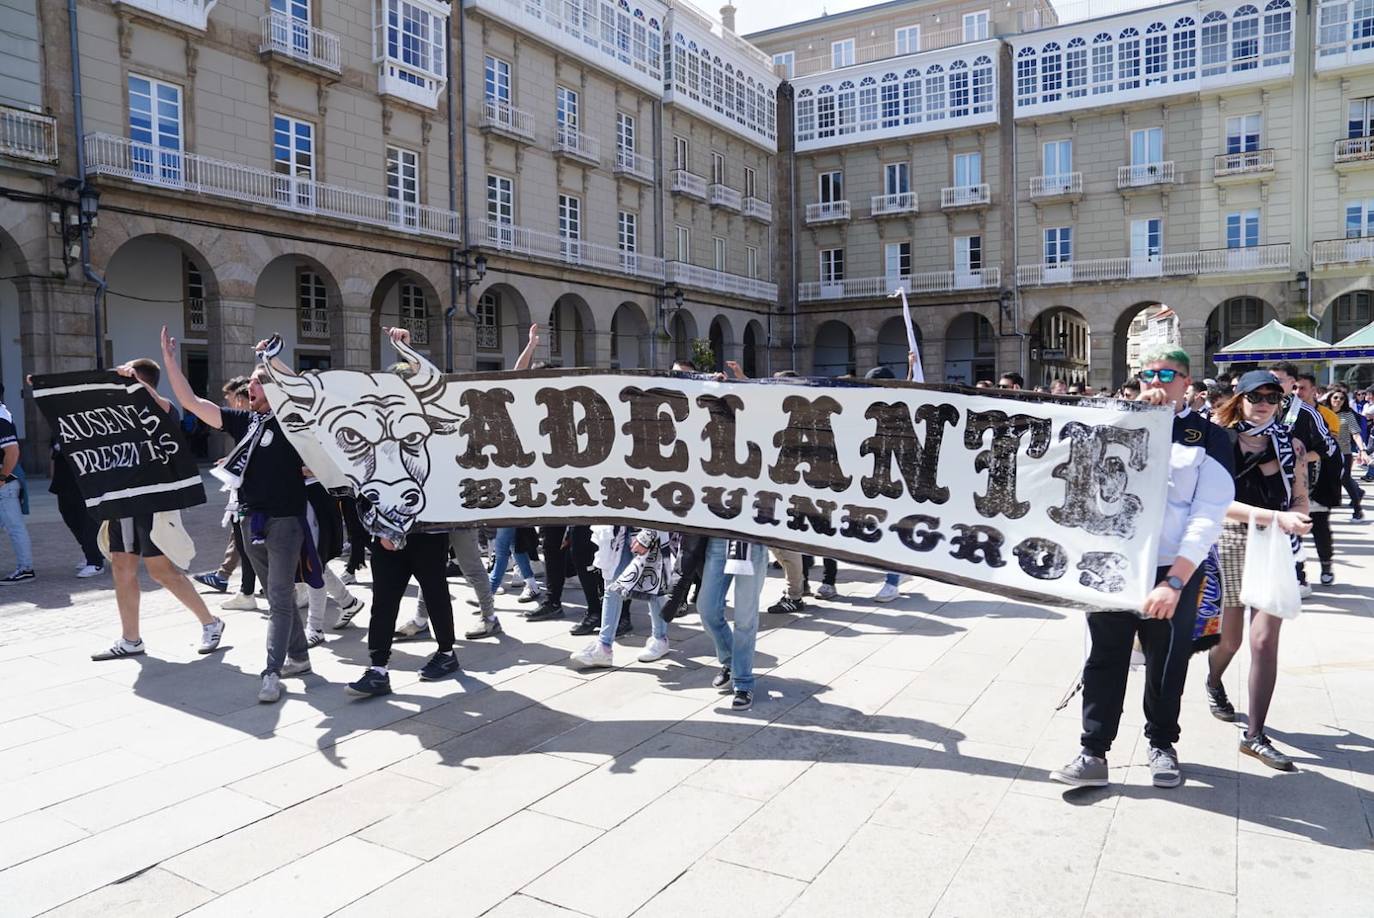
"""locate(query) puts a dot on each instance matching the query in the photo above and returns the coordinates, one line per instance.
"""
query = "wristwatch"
(1174, 583)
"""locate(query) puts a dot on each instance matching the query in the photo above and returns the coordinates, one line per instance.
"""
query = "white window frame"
(403, 185)
(968, 255)
(830, 187)
(1243, 227)
(684, 244)
(1147, 245)
(717, 168)
(1143, 141)
(831, 265)
(719, 253)
(896, 178)
(570, 226)
(897, 260)
(906, 39)
(1241, 128)
(627, 240)
(1361, 112)
(751, 261)
(976, 25)
(411, 38)
(487, 330)
(682, 154)
(567, 108)
(625, 133)
(162, 138)
(1056, 157)
(968, 169)
(293, 179)
(496, 79)
(1363, 224)
(751, 183)
(842, 53)
(787, 60)
(1058, 241)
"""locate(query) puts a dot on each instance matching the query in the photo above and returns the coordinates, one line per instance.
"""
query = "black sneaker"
(1328, 576)
(1221, 706)
(722, 680)
(19, 576)
(547, 611)
(440, 666)
(786, 606)
(213, 580)
(374, 682)
(1261, 748)
(623, 627)
(590, 624)
(743, 701)
(806, 587)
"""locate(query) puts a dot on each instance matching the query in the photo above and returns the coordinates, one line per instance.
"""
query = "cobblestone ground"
(896, 762)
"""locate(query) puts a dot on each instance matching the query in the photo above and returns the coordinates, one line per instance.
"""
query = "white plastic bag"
(1270, 582)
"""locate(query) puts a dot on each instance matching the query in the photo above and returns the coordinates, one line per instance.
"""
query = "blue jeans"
(892, 579)
(501, 554)
(12, 520)
(733, 649)
(612, 603)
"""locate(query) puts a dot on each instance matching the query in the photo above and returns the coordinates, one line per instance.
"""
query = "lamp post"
(469, 267)
(665, 313)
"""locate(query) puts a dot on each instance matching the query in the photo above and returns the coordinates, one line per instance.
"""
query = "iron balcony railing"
(932, 282)
(1253, 161)
(295, 38)
(579, 146)
(504, 118)
(965, 196)
(632, 165)
(827, 212)
(1142, 175)
(1053, 186)
(27, 135)
(679, 272)
(758, 209)
(723, 196)
(522, 240)
(1354, 149)
(1343, 251)
(688, 183)
(886, 205)
(1275, 257)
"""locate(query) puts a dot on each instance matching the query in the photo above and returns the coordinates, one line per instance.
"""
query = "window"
(488, 322)
(1244, 312)
(896, 178)
(1242, 229)
(293, 161)
(1057, 158)
(1156, 54)
(1360, 118)
(567, 109)
(751, 183)
(1076, 69)
(155, 123)
(717, 168)
(830, 187)
(1214, 43)
(1058, 245)
(1352, 312)
(496, 87)
(908, 39)
(1051, 72)
(1243, 134)
(1185, 50)
(1103, 66)
(403, 185)
(195, 298)
(968, 169)
(718, 251)
(1147, 240)
(976, 26)
(832, 266)
(415, 312)
(896, 260)
(415, 39)
(1278, 33)
(1128, 60)
(627, 240)
(684, 244)
(1147, 146)
(1359, 219)
(842, 54)
(681, 159)
(1245, 39)
(570, 226)
(968, 254)
(785, 64)
(500, 199)
(751, 261)
(312, 305)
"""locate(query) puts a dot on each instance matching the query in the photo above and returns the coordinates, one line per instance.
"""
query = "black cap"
(1256, 379)
(880, 372)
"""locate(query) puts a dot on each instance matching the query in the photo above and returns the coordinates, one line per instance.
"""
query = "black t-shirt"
(272, 482)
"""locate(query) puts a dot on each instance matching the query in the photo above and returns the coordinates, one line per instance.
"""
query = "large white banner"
(1058, 499)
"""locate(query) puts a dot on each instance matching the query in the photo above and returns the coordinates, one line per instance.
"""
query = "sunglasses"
(1268, 398)
(1165, 376)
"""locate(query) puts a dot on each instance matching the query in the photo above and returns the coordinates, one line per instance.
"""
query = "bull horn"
(300, 389)
(428, 382)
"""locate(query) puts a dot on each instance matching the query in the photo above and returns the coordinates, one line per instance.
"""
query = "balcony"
(882, 50)
(758, 209)
(827, 212)
(868, 288)
(499, 117)
(894, 205)
(965, 196)
(688, 183)
(718, 195)
(752, 288)
(531, 243)
(1354, 153)
(117, 157)
(631, 165)
(1179, 264)
(314, 323)
(299, 41)
(1335, 252)
(1231, 168)
(1068, 186)
(26, 135)
(191, 13)
(410, 51)
(576, 145)
(1145, 175)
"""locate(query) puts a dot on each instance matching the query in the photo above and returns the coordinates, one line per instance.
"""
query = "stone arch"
(14, 302)
(571, 332)
(722, 338)
(1060, 342)
(754, 350)
(631, 339)
(502, 326)
(893, 345)
(299, 298)
(1122, 351)
(1230, 321)
(406, 298)
(1349, 312)
(833, 352)
(970, 349)
(682, 331)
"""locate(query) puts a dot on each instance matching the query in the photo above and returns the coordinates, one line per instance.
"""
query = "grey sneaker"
(1260, 748)
(295, 667)
(1084, 771)
(490, 627)
(270, 692)
(1164, 770)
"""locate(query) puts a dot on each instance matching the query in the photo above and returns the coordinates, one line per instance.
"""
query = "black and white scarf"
(1282, 441)
(236, 463)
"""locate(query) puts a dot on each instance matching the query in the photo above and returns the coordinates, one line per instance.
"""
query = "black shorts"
(139, 539)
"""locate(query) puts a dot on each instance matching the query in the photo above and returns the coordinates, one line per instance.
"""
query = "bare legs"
(127, 593)
(1264, 659)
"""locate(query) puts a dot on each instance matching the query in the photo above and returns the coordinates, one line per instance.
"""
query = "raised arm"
(126, 370)
(527, 355)
(204, 409)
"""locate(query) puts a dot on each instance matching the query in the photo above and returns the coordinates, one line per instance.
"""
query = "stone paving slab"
(895, 763)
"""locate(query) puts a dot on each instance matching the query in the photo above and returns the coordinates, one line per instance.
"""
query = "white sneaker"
(90, 570)
(531, 593)
(295, 667)
(270, 692)
(347, 613)
(210, 635)
(302, 595)
(348, 578)
(412, 628)
(595, 655)
(313, 638)
(888, 593)
(1304, 590)
(654, 649)
(826, 591)
(240, 603)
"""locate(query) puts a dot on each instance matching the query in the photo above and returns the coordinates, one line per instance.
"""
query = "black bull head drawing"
(376, 427)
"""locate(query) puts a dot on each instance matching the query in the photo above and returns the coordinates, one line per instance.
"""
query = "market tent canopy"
(1274, 342)
(1359, 346)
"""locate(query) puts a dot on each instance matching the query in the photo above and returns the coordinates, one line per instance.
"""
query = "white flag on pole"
(918, 374)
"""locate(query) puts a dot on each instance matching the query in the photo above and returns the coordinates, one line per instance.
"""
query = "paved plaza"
(895, 763)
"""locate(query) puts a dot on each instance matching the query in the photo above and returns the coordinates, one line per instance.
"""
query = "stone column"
(1194, 339)
(933, 359)
(230, 337)
(865, 356)
(1100, 358)
(1011, 357)
(350, 338)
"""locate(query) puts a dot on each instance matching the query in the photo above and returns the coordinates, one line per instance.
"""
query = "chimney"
(727, 16)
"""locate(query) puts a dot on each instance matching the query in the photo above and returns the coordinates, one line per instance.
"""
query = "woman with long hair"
(1349, 437)
(1271, 485)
